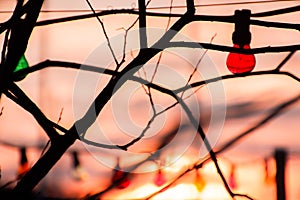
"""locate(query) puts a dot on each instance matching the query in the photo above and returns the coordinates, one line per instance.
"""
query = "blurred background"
(65, 94)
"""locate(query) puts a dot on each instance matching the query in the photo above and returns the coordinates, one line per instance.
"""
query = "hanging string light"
(79, 173)
(120, 177)
(22, 64)
(269, 177)
(159, 179)
(24, 166)
(199, 181)
(232, 180)
(239, 63)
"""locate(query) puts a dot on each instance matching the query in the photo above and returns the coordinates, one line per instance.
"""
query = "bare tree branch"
(161, 53)
(26, 103)
(275, 112)
(105, 34)
(49, 63)
(268, 49)
(44, 164)
(20, 33)
(142, 24)
(287, 58)
(231, 142)
(230, 76)
(211, 152)
(145, 54)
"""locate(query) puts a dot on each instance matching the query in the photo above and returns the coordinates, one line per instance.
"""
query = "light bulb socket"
(241, 35)
(76, 161)
(23, 159)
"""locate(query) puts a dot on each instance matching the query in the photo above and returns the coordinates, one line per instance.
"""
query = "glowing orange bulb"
(79, 174)
(240, 63)
(160, 178)
(199, 182)
(24, 166)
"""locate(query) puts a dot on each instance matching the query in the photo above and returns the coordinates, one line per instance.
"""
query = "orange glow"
(23, 168)
(248, 100)
(199, 181)
(179, 191)
(79, 174)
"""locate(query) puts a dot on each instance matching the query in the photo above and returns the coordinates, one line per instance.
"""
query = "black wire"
(225, 4)
(163, 7)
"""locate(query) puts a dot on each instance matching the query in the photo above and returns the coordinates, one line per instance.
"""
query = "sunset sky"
(226, 108)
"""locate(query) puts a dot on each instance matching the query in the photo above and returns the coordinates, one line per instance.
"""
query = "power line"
(161, 7)
(225, 4)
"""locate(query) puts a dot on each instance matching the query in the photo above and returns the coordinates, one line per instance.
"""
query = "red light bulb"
(120, 177)
(160, 178)
(240, 63)
(232, 180)
(117, 176)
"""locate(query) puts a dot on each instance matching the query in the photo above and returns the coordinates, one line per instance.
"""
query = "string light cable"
(161, 7)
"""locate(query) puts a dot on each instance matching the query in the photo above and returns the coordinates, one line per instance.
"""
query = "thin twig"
(8, 183)
(125, 38)
(148, 92)
(161, 53)
(4, 47)
(60, 115)
(277, 110)
(287, 58)
(157, 63)
(131, 143)
(49, 141)
(45, 148)
(231, 76)
(104, 32)
(143, 86)
(197, 65)
(24, 101)
(1, 112)
(211, 152)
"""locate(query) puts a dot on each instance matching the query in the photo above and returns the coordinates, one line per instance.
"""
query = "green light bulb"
(22, 64)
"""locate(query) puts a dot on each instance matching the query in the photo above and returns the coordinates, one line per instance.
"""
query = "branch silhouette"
(18, 30)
